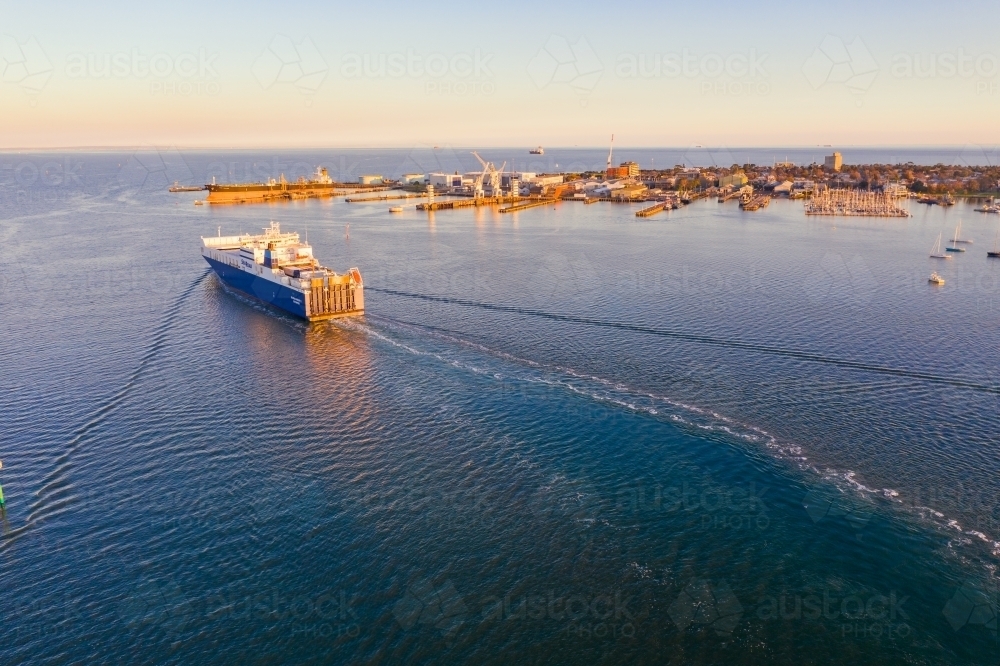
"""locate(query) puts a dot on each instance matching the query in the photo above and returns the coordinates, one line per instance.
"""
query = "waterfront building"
(630, 191)
(734, 180)
(833, 162)
(624, 170)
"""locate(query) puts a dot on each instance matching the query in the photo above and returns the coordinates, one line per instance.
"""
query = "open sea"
(568, 435)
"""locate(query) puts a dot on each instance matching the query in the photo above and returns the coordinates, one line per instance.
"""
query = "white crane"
(494, 177)
(477, 186)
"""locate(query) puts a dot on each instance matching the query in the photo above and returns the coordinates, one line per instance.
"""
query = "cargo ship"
(279, 269)
(320, 185)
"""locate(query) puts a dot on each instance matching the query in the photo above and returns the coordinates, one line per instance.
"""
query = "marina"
(854, 203)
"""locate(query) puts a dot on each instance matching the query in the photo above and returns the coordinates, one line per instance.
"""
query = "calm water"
(568, 435)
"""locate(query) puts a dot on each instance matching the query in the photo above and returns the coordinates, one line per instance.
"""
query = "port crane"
(494, 177)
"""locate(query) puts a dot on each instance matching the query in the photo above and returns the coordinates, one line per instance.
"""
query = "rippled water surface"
(568, 435)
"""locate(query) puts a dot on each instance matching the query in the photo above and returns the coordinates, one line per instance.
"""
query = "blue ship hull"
(280, 296)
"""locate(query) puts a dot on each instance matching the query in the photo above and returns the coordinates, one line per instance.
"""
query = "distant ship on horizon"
(537, 151)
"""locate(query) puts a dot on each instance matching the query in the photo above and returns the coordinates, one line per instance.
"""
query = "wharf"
(758, 202)
(387, 197)
(652, 210)
(466, 203)
(525, 205)
(693, 196)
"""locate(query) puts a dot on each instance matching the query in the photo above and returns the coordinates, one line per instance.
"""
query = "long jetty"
(652, 210)
(387, 197)
(525, 205)
(466, 203)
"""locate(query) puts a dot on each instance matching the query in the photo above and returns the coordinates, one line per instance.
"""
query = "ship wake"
(54, 496)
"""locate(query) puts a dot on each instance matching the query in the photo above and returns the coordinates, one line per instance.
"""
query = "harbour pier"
(525, 205)
(652, 210)
(756, 203)
(467, 203)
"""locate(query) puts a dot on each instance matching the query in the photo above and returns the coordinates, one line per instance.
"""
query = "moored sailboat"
(936, 250)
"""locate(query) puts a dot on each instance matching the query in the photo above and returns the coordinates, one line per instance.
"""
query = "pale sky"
(312, 74)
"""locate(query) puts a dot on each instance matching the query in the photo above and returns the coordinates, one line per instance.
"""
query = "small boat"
(953, 247)
(396, 209)
(936, 250)
(537, 151)
(958, 235)
(935, 279)
(991, 207)
(199, 202)
(946, 200)
(930, 201)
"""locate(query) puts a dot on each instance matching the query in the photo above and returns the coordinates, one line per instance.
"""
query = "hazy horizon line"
(477, 147)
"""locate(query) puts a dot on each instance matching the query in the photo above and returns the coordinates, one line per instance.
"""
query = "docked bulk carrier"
(278, 269)
(320, 185)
